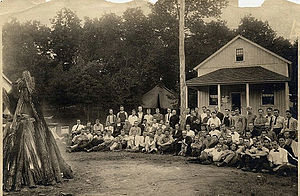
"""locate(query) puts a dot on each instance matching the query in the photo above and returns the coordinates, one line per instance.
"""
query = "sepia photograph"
(149, 97)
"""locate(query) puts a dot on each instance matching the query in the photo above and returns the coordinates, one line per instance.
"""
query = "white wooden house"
(240, 74)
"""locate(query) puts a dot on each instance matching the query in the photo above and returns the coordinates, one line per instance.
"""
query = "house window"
(213, 95)
(268, 95)
(239, 54)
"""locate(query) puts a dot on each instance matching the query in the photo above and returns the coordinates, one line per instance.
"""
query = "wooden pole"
(183, 93)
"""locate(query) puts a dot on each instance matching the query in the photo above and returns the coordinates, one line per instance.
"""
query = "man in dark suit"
(220, 115)
(174, 119)
(177, 136)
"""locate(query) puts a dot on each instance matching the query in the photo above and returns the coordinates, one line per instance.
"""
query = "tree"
(65, 37)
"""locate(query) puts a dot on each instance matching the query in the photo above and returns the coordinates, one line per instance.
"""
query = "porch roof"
(240, 75)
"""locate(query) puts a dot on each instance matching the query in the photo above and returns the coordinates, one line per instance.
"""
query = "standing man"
(290, 124)
(174, 119)
(260, 121)
(122, 115)
(148, 116)
(220, 115)
(133, 117)
(140, 114)
(277, 122)
(158, 116)
(168, 116)
(111, 119)
(269, 117)
(214, 120)
(204, 114)
(240, 121)
(227, 118)
(250, 116)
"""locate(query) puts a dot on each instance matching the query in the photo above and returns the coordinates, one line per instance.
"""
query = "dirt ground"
(125, 173)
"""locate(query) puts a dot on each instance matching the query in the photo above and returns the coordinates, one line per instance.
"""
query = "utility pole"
(183, 92)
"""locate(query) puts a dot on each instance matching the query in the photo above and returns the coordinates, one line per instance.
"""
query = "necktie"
(275, 121)
(271, 121)
(288, 123)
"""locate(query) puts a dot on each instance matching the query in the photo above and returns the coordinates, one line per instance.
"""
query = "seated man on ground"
(165, 143)
(150, 144)
(234, 134)
(214, 131)
(256, 158)
(198, 145)
(230, 156)
(98, 126)
(278, 159)
(186, 149)
(76, 129)
(211, 155)
(132, 143)
(79, 141)
(291, 156)
(108, 141)
(214, 120)
(177, 136)
(241, 152)
(120, 142)
(136, 128)
(189, 132)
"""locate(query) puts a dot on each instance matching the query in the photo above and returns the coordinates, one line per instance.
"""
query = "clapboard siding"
(253, 56)
(255, 95)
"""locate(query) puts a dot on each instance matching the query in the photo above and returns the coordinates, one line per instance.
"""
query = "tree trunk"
(182, 64)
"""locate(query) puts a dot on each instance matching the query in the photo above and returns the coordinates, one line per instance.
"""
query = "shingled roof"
(240, 75)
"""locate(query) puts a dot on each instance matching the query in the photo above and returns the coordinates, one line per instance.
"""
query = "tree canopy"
(114, 60)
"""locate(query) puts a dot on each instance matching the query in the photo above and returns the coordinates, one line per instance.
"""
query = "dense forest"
(113, 60)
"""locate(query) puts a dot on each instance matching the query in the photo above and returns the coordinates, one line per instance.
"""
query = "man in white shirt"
(214, 120)
(133, 117)
(76, 129)
(214, 131)
(148, 116)
(277, 122)
(189, 132)
(203, 115)
(278, 159)
(140, 114)
(168, 115)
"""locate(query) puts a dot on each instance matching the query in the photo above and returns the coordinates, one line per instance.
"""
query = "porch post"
(219, 96)
(287, 97)
(198, 99)
(186, 97)
(247, 95)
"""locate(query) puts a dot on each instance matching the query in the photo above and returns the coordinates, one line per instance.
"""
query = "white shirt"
(148, 117)
(190, 133)
(77, 127)
(203, 115)
(132, 119)
(215, 121)
(278, 158)
(235, 137)
(167, 117)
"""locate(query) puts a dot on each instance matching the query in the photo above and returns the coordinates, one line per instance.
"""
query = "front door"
(235, 101)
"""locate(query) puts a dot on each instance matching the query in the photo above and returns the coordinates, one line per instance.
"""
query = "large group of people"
(258, 143)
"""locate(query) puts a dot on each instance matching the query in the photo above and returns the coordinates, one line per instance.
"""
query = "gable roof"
(239, 75)
(247, 40)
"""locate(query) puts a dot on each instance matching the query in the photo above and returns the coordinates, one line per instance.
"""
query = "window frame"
(215, 96)
(242, 53)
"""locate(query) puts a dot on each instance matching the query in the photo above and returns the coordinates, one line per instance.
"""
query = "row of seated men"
(226, 146)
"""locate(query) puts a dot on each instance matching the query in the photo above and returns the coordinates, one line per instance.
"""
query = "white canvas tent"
(159, 97)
